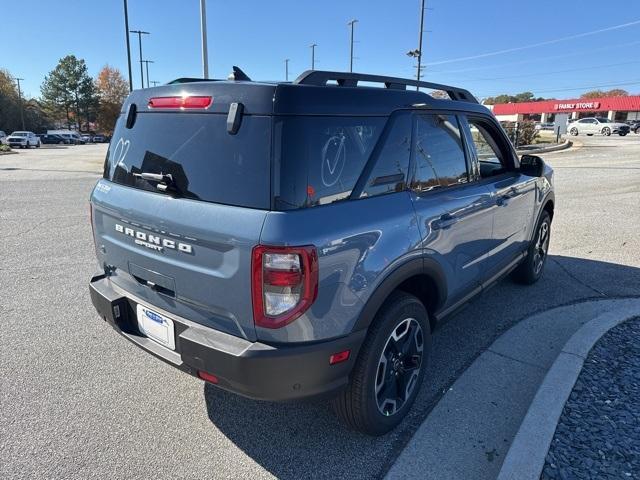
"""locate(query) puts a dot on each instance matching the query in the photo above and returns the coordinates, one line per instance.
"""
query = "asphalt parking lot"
(78, 401)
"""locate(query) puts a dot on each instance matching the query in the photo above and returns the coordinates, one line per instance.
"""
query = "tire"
(400, 328)
(38, 145)
(622, 134)
(61, 142)
(606, 131)
(574, 131)
(532, 268)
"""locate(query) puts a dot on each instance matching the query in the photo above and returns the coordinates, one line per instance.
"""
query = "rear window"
(205, 161)
(318, 159)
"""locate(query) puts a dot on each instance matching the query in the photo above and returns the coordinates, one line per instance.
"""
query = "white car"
(23, 140)
(3, 138)
(594, 125)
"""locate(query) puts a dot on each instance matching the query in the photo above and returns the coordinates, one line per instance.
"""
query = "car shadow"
(304, 439)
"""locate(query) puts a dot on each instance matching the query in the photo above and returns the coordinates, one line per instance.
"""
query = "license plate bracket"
(156, 326)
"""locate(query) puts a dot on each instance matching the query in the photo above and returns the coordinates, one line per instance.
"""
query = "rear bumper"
(252, 369)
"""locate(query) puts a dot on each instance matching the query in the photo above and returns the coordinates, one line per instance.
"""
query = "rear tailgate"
(186, 249)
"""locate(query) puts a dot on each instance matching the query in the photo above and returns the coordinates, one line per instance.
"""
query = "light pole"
(126, 32)
(420, 39)
(286, 69)
(203, 34)
(313, 55)
(140, 33)
(21, 104)
(352, 24)
(154, 82)
(146, 64)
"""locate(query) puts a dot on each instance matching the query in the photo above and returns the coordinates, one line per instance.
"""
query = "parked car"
(53, 139)
(3, 138)
(597, 125)
(634, 126)
(100, 139)
(313, 255)
(71, 135)
(23, 140)
(544, 126)
(86, 138)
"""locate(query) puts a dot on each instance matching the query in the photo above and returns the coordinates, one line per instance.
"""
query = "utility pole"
(313, 55)
(352, 24)
(155, 83)
(21, 104)
(146, 63)
(420, 40)
(203, 33)
(126, 32)
(286, 69)
(140, 33)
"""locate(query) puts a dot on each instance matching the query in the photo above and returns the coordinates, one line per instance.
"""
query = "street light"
(126, 32)
(154, 82)
(147, 62)
(21, 103)
(352, 24)
(140, 33)
(313, 55)
(286, 69)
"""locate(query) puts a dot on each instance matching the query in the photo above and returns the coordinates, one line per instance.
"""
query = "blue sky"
(259, 35)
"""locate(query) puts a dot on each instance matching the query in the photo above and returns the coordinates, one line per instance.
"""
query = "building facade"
(620, 109)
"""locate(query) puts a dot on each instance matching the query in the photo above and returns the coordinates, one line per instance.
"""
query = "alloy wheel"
(541, 248)
(399, 366)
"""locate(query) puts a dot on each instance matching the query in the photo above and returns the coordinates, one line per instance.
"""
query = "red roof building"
(615, 108)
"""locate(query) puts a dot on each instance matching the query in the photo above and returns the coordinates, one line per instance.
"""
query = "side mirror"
(531, 165)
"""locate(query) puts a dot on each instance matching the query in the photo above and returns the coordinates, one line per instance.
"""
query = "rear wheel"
(390, 367)
(531, 269)
(606, 131)
(622, 134)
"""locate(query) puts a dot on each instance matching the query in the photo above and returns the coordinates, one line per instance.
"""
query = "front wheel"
(389, 369)
(622, 134)
(606, 131)
(530, 270)
(574, 131)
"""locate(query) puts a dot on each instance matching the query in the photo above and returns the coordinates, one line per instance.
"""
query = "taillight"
(284, 283)
(182, 103)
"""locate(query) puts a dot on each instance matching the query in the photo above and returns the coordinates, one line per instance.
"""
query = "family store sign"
(577, 106)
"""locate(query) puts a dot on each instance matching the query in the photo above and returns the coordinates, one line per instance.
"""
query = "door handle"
(445, 221)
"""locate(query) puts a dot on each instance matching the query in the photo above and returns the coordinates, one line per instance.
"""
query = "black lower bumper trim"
(252, 369)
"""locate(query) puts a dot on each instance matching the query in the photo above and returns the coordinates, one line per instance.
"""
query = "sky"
(553, 48)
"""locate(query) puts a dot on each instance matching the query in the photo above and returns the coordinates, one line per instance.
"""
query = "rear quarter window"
(319, 159)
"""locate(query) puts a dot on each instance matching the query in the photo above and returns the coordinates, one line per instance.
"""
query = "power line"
(537, 74)
(539, 59)
(568, 89)
(534, 45)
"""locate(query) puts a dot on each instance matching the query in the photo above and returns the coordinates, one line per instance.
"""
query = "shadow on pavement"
(304, 439)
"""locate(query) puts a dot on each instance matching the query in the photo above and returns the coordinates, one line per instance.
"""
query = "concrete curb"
(526, 456)
(563, 146)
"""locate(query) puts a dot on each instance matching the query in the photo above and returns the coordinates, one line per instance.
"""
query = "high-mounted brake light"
(284, 283)
(180, 102)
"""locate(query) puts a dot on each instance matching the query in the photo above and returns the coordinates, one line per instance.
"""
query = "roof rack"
(349, 79)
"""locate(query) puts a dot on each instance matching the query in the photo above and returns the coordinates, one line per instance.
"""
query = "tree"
(517, 98)
(35, 118)
(616, 92)
(68, 90)
(112, 89)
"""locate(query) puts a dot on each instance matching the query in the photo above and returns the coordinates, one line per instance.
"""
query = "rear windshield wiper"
(164, 181)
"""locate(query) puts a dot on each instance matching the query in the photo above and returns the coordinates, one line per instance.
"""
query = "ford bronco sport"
(289, 240)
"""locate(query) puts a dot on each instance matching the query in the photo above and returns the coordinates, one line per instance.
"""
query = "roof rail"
(349, 79)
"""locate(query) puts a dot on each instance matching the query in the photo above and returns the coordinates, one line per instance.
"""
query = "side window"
(438, 152)
(486, 145)
(391, 163)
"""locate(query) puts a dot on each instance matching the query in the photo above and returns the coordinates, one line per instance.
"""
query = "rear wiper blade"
(164, 180)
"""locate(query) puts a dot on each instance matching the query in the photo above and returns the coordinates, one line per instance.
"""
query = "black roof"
(315, 92)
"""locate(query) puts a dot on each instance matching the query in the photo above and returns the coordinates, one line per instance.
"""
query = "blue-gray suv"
(289, 240)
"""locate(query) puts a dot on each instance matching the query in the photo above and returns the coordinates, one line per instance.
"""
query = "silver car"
(598, 125)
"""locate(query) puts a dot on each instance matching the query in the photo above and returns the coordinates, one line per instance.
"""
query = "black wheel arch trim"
(411, 268)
